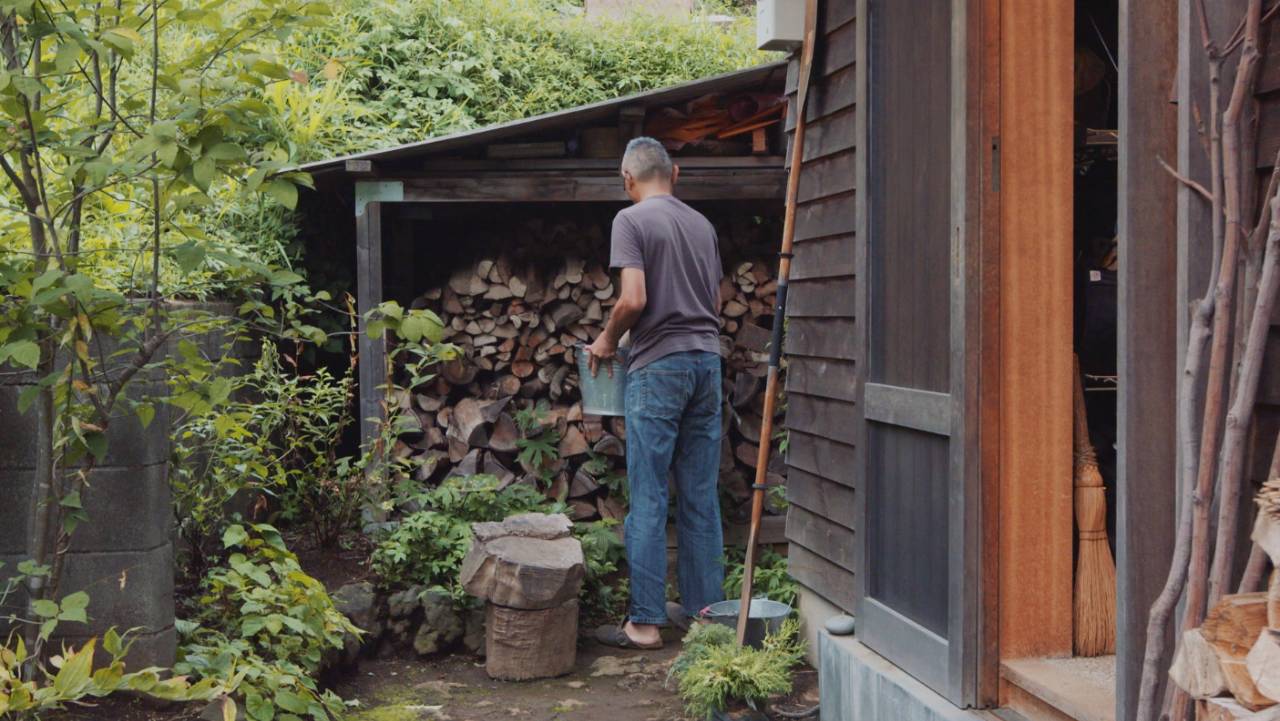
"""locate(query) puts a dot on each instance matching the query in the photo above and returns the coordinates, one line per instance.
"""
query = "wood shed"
(504, 233)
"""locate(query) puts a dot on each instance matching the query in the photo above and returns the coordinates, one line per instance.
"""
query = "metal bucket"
(765, 617)
(603, 395)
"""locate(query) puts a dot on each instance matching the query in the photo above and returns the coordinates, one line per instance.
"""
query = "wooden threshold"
(1076, 689)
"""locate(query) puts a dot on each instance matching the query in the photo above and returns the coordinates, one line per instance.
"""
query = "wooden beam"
(1147, 330)
(373, 351)
(735, 162)
(578, 187)
(1036, 159)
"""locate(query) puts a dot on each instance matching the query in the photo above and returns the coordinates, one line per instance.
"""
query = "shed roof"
(561, 119)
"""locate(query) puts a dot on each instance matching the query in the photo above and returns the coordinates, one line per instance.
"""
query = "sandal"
(616, 636)
(678, 617)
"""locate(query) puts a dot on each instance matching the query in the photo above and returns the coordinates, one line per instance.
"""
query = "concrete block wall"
(123, 556)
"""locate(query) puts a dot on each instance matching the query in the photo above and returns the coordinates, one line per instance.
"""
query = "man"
(669, 259)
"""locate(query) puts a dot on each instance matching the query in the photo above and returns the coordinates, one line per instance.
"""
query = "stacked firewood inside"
(510, 405)
(1231, 663)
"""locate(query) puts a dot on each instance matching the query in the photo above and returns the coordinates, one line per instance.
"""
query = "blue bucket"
(603, 395)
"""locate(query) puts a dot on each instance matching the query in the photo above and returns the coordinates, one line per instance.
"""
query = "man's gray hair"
(646, 159)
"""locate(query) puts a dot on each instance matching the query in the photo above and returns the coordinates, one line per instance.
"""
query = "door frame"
(956, 675)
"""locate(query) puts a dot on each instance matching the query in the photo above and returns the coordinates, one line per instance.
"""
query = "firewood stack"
(1231, 663)
(519, 324)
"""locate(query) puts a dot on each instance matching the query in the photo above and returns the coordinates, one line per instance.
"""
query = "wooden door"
(917, 564)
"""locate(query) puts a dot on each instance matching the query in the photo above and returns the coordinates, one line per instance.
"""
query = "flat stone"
(547, 526)
(841, 625)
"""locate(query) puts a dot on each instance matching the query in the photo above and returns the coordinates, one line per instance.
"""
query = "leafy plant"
(427, 545)
(600, 467)
(73, 678)
(538, 441)
(770, 577)
(264, 627)
(603, 594)
(714, 671)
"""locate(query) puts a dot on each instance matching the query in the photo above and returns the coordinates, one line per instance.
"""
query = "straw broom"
(1095, 591)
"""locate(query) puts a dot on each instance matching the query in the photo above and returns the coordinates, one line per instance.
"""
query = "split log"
(583, 484)
(467, 424)
(459, 371)
(1196, 668)
(609, 445)
(1235, 622)
(503, 436)
(573, 443)
(1263, 663)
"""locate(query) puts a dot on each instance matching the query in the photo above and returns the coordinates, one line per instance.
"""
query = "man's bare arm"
(630, 305)
(625, 313)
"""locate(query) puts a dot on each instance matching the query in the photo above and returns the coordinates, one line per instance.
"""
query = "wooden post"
(1148, 329)
(373, 351)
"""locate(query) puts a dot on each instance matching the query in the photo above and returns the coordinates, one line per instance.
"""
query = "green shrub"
(429, 68)
(262, 596)
(770, 578)
(278, 436)
(714, 671)
(264, 627)
(427, 545)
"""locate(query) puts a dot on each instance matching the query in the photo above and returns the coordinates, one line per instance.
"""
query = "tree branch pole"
(1229, 471)
(775, 347)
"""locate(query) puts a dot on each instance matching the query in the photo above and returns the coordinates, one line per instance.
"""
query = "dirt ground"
(607, 685)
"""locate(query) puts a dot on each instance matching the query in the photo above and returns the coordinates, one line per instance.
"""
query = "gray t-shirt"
(677, 248)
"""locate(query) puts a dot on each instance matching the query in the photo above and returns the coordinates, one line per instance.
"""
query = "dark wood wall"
(823, 345)
(1267, 423)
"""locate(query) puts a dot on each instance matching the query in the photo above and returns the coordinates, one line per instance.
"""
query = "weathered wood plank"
(834, 93)
(824, 378)
(823, 338)
(830, 418)
(822, 456)
(833, 541)
(822, 496)
(822, 298)
(836, 50)
(829, 257)
(832, 134)
(926, 411)
(832, 175)
(822, 576)
(826, 217)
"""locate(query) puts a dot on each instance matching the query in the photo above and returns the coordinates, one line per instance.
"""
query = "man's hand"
(602, 349)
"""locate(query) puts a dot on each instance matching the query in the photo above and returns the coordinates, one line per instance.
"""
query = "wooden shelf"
(1081, 689)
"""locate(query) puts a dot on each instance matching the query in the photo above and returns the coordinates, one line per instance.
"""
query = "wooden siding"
(823, 335)
(1267, 421)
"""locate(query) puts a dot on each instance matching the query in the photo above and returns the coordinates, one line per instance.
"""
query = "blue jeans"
(673, 429)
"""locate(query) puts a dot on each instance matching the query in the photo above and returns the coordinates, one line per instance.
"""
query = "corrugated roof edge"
(738, 79)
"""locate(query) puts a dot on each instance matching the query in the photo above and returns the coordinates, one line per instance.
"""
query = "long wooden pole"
(779, 313)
